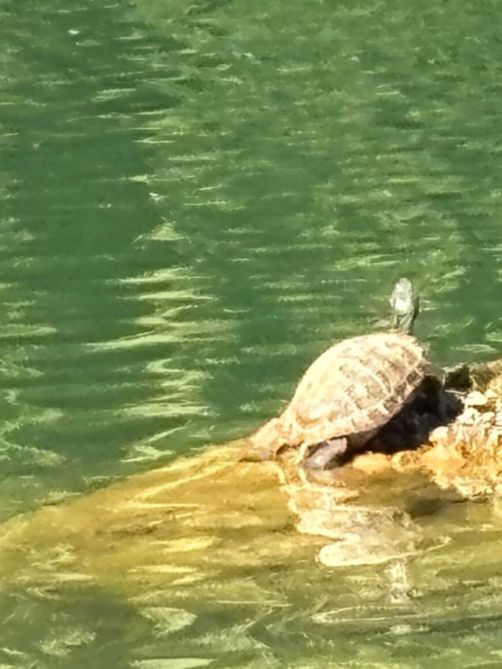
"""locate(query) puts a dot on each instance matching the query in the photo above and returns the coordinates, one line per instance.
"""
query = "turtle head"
(404, 305)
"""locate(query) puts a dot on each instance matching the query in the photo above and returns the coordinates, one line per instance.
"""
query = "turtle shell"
(354, 387)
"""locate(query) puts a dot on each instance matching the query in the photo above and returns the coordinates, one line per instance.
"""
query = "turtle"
(349, 392)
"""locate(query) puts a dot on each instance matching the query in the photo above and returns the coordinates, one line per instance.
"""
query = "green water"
(197, 198)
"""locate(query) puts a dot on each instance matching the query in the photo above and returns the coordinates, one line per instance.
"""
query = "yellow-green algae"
(252, 552)
(214, 523)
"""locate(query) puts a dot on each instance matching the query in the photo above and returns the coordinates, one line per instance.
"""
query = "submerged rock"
(219, 557)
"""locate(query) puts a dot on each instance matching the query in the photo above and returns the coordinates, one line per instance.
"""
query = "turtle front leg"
(325, 455)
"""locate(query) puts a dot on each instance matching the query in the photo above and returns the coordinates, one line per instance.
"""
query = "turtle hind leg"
(265, 443)
(327, 455)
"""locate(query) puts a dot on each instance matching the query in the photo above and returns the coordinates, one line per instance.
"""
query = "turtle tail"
(266, 442)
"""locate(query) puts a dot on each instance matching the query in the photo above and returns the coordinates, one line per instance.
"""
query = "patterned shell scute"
(354, 387)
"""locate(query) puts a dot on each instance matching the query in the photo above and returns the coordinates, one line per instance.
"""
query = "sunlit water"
(197, 198)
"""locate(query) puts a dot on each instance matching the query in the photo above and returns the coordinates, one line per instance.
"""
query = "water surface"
(197, 199)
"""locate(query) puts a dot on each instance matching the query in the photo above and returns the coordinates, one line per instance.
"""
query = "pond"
(198, 198)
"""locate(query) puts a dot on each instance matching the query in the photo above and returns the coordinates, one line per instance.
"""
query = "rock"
(475, 399)
(439, 434)
(372, 463)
